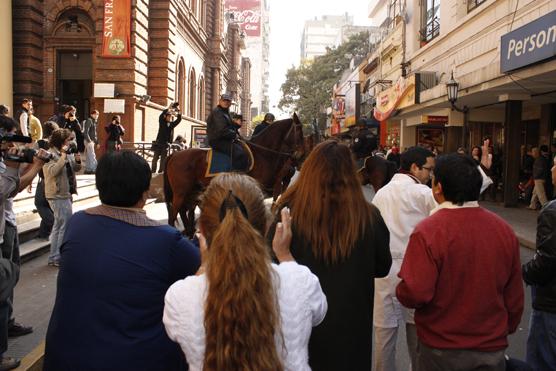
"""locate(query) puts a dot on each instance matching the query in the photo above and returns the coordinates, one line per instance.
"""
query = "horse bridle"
(289, 151)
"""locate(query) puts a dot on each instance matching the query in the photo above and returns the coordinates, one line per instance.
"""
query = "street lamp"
(452, 88)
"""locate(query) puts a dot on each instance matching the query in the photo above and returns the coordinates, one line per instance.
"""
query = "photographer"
(115, 132)
(41, 203)
(71, 123)
(60, 184)
(165, 130)
(10, 184)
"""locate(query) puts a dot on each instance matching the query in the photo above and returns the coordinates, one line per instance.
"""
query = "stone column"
(512, 141)
(6, 57)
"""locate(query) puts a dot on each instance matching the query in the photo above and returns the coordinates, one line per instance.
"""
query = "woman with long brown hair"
(344, 241)
(241, 312)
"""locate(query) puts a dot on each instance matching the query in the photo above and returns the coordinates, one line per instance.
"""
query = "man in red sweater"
(462, 274)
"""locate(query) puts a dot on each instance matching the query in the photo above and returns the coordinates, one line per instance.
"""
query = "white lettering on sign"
(531, 42)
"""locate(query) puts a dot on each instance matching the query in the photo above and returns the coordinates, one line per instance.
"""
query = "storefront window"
(431, 138)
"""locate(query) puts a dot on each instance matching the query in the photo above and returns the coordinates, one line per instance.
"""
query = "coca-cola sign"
(247, 13)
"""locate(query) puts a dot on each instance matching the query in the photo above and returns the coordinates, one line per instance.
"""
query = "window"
(192, 93)
(201, 112)
(180, 84)
(394, 9)
(430, 20)
(472, 4)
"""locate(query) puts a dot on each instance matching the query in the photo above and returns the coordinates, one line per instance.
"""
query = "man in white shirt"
(403, 203)
(24, 116)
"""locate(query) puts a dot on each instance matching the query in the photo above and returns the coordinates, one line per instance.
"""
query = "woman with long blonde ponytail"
(241, 312)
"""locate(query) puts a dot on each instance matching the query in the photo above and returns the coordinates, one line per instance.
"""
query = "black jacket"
(540, 168)
(220, 126)
(263, 125)
(364, 143)
(165, 129)
(541, 270)
(9, 274)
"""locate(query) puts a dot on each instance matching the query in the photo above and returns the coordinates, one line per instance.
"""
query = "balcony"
(429, 31)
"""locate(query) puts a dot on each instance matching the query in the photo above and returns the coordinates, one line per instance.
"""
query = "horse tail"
(168, 194)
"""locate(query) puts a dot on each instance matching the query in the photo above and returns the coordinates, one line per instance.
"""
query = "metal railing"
(145, 149)
(430, 30)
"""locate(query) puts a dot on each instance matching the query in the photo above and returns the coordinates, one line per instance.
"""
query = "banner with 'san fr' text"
(116, 31)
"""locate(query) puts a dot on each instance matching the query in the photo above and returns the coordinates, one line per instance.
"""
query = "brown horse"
(184, 176)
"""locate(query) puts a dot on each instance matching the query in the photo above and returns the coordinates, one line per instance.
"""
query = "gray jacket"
(90, 130)
(9, 183)
(56, 182)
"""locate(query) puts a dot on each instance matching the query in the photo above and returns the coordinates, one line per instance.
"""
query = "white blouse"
(302, 306)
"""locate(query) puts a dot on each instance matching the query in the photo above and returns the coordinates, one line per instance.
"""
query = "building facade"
(179, 51)
(320, 34)
(500, 53)
(253, 18)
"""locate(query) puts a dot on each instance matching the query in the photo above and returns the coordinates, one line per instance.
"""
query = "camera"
(72, 148)
(26, 155)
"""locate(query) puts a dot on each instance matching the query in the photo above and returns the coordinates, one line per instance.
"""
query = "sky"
(287, 18)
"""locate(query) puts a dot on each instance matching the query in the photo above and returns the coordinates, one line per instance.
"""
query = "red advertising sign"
(116, 32)
(247, 13)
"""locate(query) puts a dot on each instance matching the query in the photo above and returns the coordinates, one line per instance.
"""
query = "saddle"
(218, 162)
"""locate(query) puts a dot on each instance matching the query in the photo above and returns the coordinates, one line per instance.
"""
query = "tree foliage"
(308, 88)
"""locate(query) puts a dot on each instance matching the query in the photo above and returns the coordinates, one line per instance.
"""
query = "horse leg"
(177, 203)
(185, 220)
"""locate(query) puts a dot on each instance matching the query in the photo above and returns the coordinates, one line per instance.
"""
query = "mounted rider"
(222, 135)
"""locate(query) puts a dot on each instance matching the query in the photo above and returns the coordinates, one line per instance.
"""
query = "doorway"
(74, 80)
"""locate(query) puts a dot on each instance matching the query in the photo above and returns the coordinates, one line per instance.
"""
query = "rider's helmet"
(269, 117)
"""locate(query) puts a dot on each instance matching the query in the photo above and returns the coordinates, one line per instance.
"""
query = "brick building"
(181, 50)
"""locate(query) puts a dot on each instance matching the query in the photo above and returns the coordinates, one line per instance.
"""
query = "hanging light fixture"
(452, 88)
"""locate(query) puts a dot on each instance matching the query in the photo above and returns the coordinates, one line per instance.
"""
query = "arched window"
(201, 113)
(180, 85)
(194, 7)
(192, 92)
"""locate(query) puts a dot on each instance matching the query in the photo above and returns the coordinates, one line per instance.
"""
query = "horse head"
(283, 136)
(295, 139)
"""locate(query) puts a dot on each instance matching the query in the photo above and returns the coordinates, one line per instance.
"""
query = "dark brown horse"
(184, 176)
(377, 171)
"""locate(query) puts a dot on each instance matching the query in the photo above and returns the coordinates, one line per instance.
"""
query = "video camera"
(24, 154)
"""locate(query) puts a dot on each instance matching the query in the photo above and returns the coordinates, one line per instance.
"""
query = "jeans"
(43, 207)
(385, 347)
(62, 213)
(90, 157)
(10, 251)
(235, 151)
(541, 342)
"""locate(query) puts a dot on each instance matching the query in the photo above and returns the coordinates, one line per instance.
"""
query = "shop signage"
(199, 137)
(114, 106)
(428, 119)
(116, 32)
(353, 105)
(103, 90)
(534, 42)
(399, 96)
(247, 14)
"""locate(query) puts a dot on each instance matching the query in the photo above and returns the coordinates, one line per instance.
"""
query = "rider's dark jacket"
(364, 143)
(540, 272)
(220, 127)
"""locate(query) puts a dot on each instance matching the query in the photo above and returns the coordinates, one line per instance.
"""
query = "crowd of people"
(310, 284)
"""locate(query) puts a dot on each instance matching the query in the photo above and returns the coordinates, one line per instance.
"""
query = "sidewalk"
(522, 220)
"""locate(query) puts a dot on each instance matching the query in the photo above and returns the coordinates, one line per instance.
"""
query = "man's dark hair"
(544, 148)
(94, 111)
(4, 110)
(414, 155)
(460, 178)
(122, 178)
(26, 100)
(7, 123)
(48, 128)
(268, 116)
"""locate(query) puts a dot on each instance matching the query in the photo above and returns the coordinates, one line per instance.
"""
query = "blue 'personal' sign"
(534, 42)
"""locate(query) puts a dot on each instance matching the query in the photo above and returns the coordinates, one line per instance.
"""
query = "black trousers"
(10, 251)
(235, 151)
(43, 207)
(160, 151)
